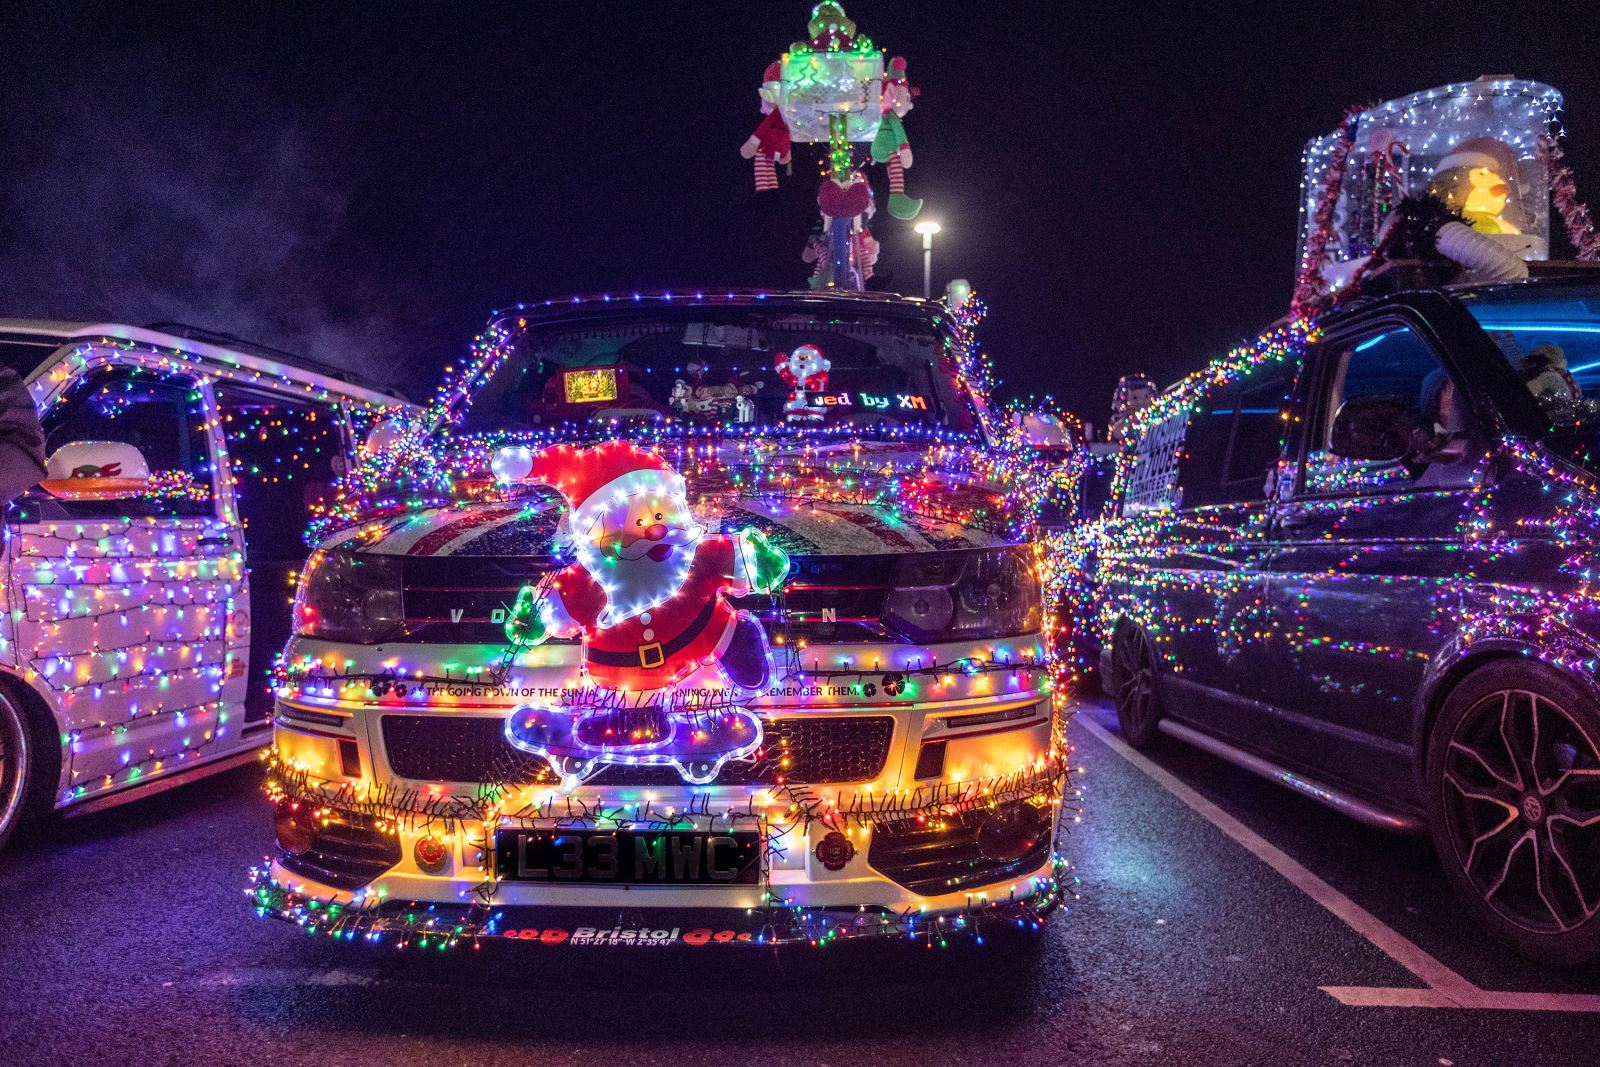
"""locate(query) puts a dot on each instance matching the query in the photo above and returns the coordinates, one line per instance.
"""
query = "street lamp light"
(927, 229)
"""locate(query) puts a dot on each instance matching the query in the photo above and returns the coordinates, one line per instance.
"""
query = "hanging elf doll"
(890, 146)
(770, 144)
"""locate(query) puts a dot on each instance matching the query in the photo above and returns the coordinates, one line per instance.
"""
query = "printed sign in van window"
(1153, 484)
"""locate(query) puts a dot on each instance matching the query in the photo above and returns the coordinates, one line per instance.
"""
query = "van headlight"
(348, 597)
(953, 595)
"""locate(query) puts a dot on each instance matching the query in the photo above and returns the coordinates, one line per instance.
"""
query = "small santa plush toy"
(805, 372)
(647, 589)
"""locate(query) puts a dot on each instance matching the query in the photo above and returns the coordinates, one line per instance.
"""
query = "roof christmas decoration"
(1479, 147)
(834, 88)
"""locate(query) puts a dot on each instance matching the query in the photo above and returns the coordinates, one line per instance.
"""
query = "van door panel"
(1361, 610)
(126, 604)
(1366, 573)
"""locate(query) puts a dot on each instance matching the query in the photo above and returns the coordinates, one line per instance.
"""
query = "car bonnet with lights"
(865, 743)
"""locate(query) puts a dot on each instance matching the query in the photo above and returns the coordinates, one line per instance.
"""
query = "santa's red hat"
(594, 479)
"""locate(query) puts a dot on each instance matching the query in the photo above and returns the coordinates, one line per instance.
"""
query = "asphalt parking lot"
(1219, 919)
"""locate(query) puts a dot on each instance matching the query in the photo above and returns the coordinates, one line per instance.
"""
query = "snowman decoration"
(646, 593)
(805, 372)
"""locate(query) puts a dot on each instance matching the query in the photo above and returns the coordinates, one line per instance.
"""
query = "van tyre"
(1136, 673)
(21, 767)
(1513, 793)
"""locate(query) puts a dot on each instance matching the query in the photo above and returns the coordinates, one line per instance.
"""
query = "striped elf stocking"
(766, 173)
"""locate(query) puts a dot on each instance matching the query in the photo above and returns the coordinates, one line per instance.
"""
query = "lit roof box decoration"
(830, 82)
(1478, 146)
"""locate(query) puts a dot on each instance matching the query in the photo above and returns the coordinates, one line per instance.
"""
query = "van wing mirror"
(387, 433)
(1379, 426)
(1044, 431)
(96, 470)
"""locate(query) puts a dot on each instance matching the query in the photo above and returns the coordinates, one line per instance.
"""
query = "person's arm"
(21, 438)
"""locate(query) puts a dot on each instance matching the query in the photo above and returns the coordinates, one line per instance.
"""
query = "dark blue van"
(1362, 556)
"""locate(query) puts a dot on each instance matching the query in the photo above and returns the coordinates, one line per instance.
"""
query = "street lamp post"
(927, 229)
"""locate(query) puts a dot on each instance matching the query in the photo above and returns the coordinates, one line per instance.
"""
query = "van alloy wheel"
(1521, 809)
(13, 766)
(1133, 662)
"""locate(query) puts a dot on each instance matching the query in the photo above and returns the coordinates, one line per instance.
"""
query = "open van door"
(286, 450)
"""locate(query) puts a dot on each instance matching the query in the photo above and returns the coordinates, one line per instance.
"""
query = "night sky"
(364, 183)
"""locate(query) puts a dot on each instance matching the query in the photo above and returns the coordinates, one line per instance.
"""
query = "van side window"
(1235, 438)
(1398, 365)
(1258, 433)
(163, 416)
(1205, 448)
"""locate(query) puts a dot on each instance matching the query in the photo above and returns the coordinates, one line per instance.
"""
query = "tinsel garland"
(1309, 284)
(1564, 194)
(421, 925)
(415, 809)
(485, 680)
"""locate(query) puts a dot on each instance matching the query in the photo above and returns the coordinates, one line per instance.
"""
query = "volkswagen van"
(148, 577)
(1359, 558)
(905, 771)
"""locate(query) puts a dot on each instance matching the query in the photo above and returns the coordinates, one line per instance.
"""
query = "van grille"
(463, 599)
(473, 748)
(828, 598)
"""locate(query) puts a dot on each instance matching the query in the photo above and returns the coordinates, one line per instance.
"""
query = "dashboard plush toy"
(805, 372)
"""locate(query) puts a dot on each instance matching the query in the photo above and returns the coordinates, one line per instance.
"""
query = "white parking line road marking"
(1445, 988)
(303, 976)
(1378, 997)
(1360, 996)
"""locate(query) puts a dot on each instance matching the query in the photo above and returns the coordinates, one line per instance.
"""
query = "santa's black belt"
(654, 654)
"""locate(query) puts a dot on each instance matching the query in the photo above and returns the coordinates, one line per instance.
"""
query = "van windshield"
(709, 367)
(1551, 338)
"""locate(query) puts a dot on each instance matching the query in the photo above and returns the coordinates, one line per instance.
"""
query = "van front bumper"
(924, 843)
(278, 894)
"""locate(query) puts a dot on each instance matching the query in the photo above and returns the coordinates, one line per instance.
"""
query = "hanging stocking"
(766, 173)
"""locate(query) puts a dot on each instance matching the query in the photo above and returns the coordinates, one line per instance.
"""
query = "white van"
(148, 578)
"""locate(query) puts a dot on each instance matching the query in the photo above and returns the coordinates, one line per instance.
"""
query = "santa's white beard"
(636, 585)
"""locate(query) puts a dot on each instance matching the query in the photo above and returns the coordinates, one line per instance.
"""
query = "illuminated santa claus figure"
(647, 594)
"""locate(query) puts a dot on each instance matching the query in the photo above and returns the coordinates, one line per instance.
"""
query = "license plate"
(629, 857)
